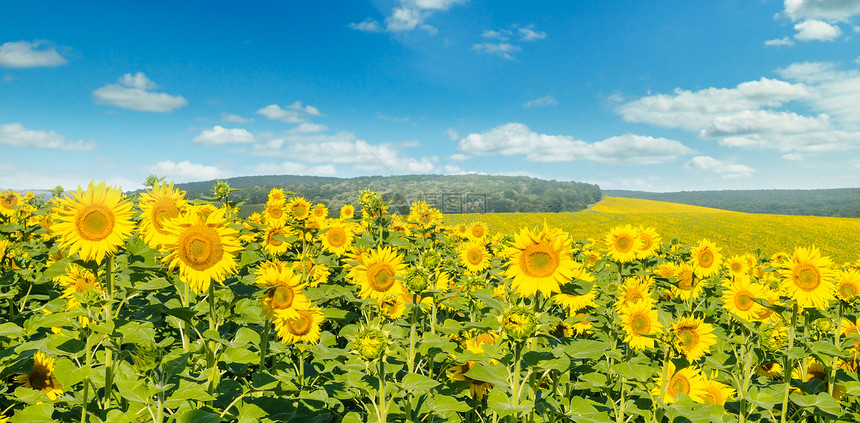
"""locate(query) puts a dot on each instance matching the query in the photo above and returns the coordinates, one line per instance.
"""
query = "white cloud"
(815, 30)
(721, 168)
(503, 34)
(186, 171)
(311, 110)
(453, 135)
(293, 168)
(505, 50)
(308, 127)
(835, 10)
(16, 135)
(544, 101)
(407, 15)
(293, 113)
(784, 41)
(221, 135)
(792, 157)
(517, 139)
(528, 34)
(229, 117)
(25, 54)
(134, 93)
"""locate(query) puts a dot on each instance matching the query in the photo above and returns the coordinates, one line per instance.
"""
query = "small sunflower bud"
(370, 343)
(519, 323)
(417, 280)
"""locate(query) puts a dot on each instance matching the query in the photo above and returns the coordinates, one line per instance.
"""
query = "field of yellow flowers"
(158, 308)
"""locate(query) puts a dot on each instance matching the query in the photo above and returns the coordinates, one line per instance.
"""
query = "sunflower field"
(158, 308)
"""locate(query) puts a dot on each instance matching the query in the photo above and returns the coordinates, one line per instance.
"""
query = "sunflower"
(41, 377)
(717, 393)
(689, 286)
(540, 261)
(640, 322)
(424, 216)
(477, 388)
(650, 242)
(275, 213)
(94, 222)
(277, 195)
(848, 285)
(371, 343)
(9, 201)
(477, 231)
(738, 265)
(851, 328)
(770, 370)
(76, 281)
(392, 306)
(667, 270)
(574, 303)
(635, 289)
(284, 297)
(379, 273)
(581, 324)
(319, 211)
(299, 208)
(305, 328)
(738, 297)
(157, 206)
(623, 243)
(336, 237)
(693, 337)
(474, 256)
(561, 329)
(809, 278)
(706, 258)
(204, 249)
(347, 211)
(272, 239)
(461, 230)
(688, 380)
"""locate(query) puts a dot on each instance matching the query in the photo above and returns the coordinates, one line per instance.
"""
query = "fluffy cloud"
(529, 34)
(505, 50)
(784, 41)
(815, 30)
(293, 113)
(836, 10)
(186, 171)
(749, 115)
(134, 92)
(408, 15)
(25, 54)
(505, 47)
(221, 135)
(544, 101)
(308, 127)
(721, 168)
(517, 139)
(16, 135)
(229, 117)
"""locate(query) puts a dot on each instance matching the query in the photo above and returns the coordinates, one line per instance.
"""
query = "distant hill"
(841, 202)
(449, 193)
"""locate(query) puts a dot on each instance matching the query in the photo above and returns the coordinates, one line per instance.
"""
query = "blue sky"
(655, 96)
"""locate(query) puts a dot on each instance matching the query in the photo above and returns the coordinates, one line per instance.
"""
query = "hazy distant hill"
(449, 193)
(841, 202)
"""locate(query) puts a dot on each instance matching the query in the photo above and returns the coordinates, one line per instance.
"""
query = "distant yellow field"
(734, 232)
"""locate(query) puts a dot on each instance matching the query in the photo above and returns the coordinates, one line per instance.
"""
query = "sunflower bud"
(519, 323)
(370, 343)
(145, 357)
(417, 280)
(431, 259)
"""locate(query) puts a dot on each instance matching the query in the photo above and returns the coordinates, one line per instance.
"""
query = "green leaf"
(188, 391)
(133, 390)
(241, 356)
(445, 403)
(10, 330)
(827, 349)
(581, 410)
(633, 371)
(499, 402)
(414, 382)
(585, 349)
(183, 313)
(36, 413)
(153, 284)
(495, 374)
(68, 374)
(198, 416)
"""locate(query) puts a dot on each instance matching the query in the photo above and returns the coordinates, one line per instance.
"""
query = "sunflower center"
(679, 384)
(39, 378)
(539, 261)
(711, 398)
(478, 231)
(300, 211)
(688, 337)
(646, 242)
(706, 259)
(282, 297)
(640, 324)
(634, 295)
(276, 212)
(736, 267)
(848, 290)
(84, 283)
(163, 210)
(9, 201)
(95, 223)
(685, 281)
(301, 326)
(380, 276)
(200, 247)
(807, 277)
(474, 257)
(743, 301)
(272, 241)
(336, 237)
(623, 244)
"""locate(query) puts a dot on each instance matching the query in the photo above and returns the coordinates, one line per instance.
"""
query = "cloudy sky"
(657, 95)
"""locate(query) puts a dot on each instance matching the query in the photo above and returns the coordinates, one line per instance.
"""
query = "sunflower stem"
(210, 353)
(264, 342)
(85, 399)
(412, 333)
(382, 409)
(515, 376)
(108, 350)
(831, 382)
(789, 365)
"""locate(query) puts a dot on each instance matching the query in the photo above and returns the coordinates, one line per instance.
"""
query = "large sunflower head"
(299, 208)
(336, 236)
(693, 337)
(76, 281)
(738, 266)
(9, 202)
(95, 222)
(42, 376)
(640, 323)
(347, 211)
(688, 380)
(275, 213)
(717, 393)
(474, 256)
(302, 329)
(157, 206)
(575, 303)
(738, 297)
(689, 286)
(650, 242)
(274, 239)
(540, 261)
(635, 289)
(203, 248)
(623, 243)
(379, 274)
(284, 295)
(848, 285)
(706, 258)
(477, 231)
(808, 278)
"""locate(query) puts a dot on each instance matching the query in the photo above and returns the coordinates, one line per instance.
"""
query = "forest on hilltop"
(449, 193)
